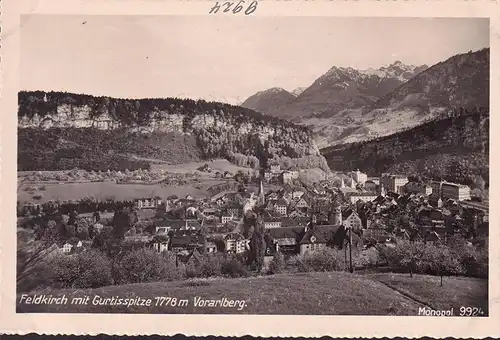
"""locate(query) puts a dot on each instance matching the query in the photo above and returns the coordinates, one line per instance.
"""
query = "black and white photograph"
(262, 165)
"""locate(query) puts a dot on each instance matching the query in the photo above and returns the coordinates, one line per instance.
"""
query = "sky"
(224, 58)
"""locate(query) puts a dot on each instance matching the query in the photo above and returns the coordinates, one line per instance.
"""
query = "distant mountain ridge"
(335, 90)
(269, 100)
(461, 81)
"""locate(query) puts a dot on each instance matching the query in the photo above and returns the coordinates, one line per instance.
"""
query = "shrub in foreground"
(234, 268)
(89, 269)
(146, 265)
(277, 264)
(210, 266)
(322, 260)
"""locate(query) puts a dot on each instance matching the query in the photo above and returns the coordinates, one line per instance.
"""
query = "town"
(349, 209)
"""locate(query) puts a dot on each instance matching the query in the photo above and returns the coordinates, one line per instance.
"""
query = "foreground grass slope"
(334, 293)
(456, 291)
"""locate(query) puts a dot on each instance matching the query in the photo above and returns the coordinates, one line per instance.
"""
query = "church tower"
(342, 185)
(312, 222)
(382, 190)
(336, 213)
(261, 197)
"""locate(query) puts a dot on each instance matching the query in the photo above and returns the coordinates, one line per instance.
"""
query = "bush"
(456, 258)
(473, 259)
(367, 258)
(439, 260)
(211, 266)
(38, 196)
(233, 268)
(322, 260)
(404, 256)
(146, 265)
(89, 269)
(277, 264)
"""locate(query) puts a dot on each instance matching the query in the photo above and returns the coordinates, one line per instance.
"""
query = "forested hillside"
(455, 148)
(60, 130)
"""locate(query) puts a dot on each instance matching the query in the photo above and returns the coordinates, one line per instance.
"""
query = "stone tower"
(336, 213)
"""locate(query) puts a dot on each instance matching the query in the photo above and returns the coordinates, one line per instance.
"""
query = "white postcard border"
(229, 325)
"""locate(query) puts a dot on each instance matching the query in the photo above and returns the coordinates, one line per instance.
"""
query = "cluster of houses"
(285, 176)
(359, 187)
(361, 211)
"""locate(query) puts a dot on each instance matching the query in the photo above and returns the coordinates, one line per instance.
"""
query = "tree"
(277, 264)
(146, 265)
(122, 222)
(405, 255)
(31, 256)
(439, 260)
(89, 269)
(257, 245)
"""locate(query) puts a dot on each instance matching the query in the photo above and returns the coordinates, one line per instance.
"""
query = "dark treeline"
(81, 207)
(454, 148)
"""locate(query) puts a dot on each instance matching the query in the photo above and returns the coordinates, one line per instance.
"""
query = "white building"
(67, 248)
(362, 196)
(351, 220)
(450, 190)
(161, 246)
(226, 218)
(148, 203)
(235, 243)
(275, 168)
(359, 177)
(455, 191)
(281, 207)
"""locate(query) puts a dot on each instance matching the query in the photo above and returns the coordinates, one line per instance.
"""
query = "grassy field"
(105, 190)
(456, 292)
(334, 293)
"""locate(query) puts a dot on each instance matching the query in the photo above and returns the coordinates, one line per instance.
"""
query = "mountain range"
(347, 105)
(336, 89)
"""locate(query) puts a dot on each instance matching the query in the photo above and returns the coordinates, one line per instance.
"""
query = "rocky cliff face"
(217, 129)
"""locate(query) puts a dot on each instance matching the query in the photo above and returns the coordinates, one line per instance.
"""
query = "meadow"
(320, 293)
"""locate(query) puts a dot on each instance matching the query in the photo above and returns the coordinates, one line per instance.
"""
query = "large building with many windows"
(394, 183)
(359, 177)
(455, 191)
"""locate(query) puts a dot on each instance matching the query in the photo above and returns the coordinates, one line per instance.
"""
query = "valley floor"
(328, 293)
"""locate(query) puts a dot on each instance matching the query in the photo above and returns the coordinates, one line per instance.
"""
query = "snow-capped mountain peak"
(397, 70)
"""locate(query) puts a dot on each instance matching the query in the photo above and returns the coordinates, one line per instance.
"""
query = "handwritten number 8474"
(226, 7)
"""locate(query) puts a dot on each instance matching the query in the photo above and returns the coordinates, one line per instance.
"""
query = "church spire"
(262, 198)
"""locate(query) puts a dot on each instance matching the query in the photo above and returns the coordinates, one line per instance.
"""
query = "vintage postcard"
(272, 168)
